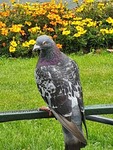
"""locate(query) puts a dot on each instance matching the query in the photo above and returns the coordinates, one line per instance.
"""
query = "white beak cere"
(36, 47)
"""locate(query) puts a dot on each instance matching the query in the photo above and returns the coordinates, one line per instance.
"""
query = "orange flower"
(54, 36)
(2, 24)
(50, 29)
(54, 11)
(5, 13)
(64, 22)
(53, 23)
(45, 27)
(53, 16)
(4, 31)
(59, 46)
(4, 44)
(23, 32)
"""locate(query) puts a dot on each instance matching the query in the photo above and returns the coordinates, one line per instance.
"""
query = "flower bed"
(87, 27)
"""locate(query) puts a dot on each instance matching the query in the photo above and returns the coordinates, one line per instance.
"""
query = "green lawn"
(18, 91)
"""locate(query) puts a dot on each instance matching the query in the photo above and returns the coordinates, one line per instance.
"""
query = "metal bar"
(23, 115)
(100, 119)
(35, 114)
(99, 109)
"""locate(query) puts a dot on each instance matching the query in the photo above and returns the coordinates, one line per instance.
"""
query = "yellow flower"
(77, 34)
(65, 31)
(32, 42)
(77, 18)
(110, 31)
(28, 23)
(100, 23)
(91, 24)
(104, 31)
(75, 1)
(34, 29)
(68, 15)
(53, 1)
(81, 8)
(13, 43)
(84, 31)
(25, 44)
(12, 49)
(109, 20)
(87, 20)
(12, 1)
(16, 28)
(101, 5)
(79, 28)
(89, 1)
(80, 32)
(76, 22)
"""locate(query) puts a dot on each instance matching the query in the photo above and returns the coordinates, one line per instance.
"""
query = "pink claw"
(44, 108)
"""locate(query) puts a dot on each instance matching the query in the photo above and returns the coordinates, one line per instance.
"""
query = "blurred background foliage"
(87, 27)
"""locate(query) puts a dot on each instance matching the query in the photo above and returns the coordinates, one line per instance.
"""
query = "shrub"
(88, 26)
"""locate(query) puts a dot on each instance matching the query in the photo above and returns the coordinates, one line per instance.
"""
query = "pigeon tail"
(71, 127)
(72, 147)
(71, 142)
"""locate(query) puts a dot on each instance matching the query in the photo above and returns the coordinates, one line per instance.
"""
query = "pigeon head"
(43, 43)
(48, 49)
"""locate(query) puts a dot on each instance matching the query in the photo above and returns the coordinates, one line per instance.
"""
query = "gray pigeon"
(57, 78)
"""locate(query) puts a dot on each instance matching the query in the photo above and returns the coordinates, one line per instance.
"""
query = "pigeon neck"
(50, 56)
(47, 54)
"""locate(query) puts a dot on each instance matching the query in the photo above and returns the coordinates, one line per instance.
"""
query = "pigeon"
(58, 81)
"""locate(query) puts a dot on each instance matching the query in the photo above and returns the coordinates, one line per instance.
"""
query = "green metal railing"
(92, 112)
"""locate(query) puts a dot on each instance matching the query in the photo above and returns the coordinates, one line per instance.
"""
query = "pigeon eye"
(44, 43)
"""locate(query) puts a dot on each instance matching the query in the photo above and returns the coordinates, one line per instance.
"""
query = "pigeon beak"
(36, 47)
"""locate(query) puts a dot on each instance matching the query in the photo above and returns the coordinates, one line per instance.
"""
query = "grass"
(18, 91)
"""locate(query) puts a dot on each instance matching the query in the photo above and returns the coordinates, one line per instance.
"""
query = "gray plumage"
(57, 79)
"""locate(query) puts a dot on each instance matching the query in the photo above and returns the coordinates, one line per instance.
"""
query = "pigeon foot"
(44, 108)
